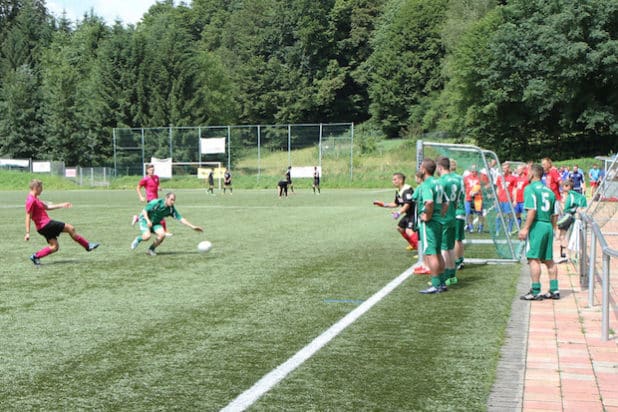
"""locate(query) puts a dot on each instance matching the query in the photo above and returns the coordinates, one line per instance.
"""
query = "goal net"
(491, 225)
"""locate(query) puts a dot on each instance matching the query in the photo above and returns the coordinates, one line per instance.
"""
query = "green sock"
(139, 239)
(443, 276)
(450, 273)
(536, 287)
(459, 261)
(435, 281)
(553, 285)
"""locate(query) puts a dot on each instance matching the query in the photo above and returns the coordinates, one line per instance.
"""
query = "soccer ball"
(204, 246)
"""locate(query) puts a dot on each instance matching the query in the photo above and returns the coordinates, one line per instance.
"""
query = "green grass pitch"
(115, 329)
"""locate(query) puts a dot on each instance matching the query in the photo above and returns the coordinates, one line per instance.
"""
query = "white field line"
(268, 381)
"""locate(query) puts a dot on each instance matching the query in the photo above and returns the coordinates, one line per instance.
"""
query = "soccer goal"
(491, 232)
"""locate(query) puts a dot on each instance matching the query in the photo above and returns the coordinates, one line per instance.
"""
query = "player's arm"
(55, 206)
(28, 220)
(139, 192)
(192, 226)
(427, 211)
(380, 203)
(531, 214)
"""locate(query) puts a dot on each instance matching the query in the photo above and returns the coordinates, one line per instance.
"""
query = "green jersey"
(431, 191)
(540, 198)
(573, 201)
(452, 186)
(157, 211)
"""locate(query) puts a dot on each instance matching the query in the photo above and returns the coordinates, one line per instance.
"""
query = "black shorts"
(407, 222)
(283, 184)
(52, 230)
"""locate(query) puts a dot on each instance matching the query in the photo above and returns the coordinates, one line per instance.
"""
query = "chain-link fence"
(260, 150)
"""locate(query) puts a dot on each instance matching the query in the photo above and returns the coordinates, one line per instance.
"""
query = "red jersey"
(36, 209)
(151, 184)
(503, 185)
(552, 180)
(473, 184)
(518, 188)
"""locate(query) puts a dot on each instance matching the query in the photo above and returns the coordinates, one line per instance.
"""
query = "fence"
(251, 150)
(599, 232)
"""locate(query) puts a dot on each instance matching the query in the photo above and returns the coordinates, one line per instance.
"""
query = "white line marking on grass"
(268, 381)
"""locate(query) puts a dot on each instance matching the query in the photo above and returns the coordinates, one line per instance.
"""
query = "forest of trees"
(525, 78)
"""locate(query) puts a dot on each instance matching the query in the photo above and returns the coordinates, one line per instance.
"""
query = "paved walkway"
(553, 358)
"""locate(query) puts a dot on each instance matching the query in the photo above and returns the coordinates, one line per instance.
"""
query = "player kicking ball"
(150, 221)
(36, 211)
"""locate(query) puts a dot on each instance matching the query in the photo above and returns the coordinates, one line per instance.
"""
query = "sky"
(129, 11)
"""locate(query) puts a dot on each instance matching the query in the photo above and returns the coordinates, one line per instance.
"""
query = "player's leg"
(160, 237)
(144, 235)
(70, 229)
(433, 256)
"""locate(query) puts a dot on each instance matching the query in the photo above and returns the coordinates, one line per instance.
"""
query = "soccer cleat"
(552, 295)
(421, 270)
(151, 252)
(410, 247)
(134, 244)
(168, 234)
(460, 266)
(35, 260)
(531, 296)
(442, 288)
(92, 246)
(432, 289)
(134, 220)
(451, 281)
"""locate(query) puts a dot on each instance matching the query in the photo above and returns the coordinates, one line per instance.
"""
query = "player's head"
(473, 169)
(444, 164)
(170, 199)
(36, 184)
(428, 166)
(536, 171)
(149, 168)
(567, 184)
(506, 167)
(453, 165)
(546, 163)
(398, 179)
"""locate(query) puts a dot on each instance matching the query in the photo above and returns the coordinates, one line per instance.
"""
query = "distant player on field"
(211, 183)
(316, 180)
(150, 221)
(227, 181)
(282, 188)
(36, 211)
(288, 178)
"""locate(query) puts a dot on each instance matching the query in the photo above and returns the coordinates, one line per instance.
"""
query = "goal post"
(494, 226)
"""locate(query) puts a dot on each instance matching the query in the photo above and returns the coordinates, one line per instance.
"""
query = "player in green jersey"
(453, 191)
(573, 201)
(150, 221)
(538, 229)
(460, 220)
(432, 207)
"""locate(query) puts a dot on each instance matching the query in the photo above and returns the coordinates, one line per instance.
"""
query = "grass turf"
(115, 329)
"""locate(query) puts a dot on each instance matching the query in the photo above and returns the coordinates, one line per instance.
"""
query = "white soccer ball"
(204, 246)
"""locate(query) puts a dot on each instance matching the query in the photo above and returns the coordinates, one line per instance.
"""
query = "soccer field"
(115, 329)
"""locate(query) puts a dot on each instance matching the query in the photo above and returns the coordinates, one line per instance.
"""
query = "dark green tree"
(405, 67)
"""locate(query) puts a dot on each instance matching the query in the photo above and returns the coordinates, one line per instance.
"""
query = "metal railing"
(587, 267)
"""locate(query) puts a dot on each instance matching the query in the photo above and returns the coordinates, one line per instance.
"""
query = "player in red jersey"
(36, 211)
(552, 177)
(517, 196)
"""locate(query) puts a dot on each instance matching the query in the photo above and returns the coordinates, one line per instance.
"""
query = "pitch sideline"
(268, 381)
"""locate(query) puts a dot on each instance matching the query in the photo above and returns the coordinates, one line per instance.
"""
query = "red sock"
(414, 239)
(43, 252)
(81, 241)
(164, 225)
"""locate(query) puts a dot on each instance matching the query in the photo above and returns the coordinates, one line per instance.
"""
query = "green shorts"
(540, 241)
(431, 235)
(143, 226)
(460, 229)
(448, 235)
